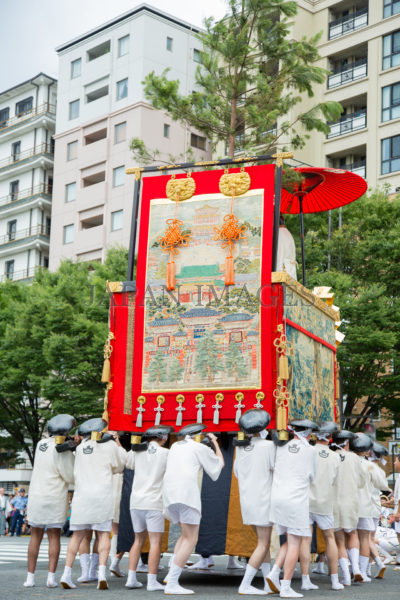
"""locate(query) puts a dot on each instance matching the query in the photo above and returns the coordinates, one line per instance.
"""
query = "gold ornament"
(234, 184)
(182, 189)
(106, 374)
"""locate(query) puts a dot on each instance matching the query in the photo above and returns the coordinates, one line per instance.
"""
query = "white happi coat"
(321, 489)
(181, 481)
(48, 490)
(253, 467)
(149, 467)
(397, 495)
(379, 485)
(350, 479)
(95, 465)
(295, 469)
(373, 479)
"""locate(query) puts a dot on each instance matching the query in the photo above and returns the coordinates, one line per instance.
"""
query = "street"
(218, 583)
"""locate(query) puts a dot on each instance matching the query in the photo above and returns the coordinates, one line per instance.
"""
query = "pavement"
(216, 584)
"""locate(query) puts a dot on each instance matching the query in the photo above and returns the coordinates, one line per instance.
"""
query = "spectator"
(18, 503)
(4, 511)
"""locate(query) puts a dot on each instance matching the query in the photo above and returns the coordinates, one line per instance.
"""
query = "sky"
(30, 30)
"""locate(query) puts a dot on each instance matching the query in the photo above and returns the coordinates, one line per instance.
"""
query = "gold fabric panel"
(129, 355)
(240, 539)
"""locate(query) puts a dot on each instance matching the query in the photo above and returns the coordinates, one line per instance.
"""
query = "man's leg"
(363, 536)
(104, 544)
(255, 562)
(13, 522)
(20, 520)
(273, 576)
(332, 554)
(134, 555)
(84, 557)
(73, 547)
(375, 555)
(33, 553)
(340, 539)
(154, 561)
(305, 556)
(291, 559)
(53, 535)
(187, 543)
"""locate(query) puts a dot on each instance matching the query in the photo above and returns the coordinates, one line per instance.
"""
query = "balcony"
(45, 108)
(360, 168)
(22, 157)
(348, 24)
(353, 72)
(348, 123)
(20, 275)
(23, 234)
(20, 196)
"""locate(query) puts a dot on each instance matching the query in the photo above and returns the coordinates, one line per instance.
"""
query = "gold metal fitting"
(240, 435)
(219, 397)
(180, 398)
(59, 439)
(95, 436)
(239, 396)
(160, 399)
(198, 437)
(260, 395)
(136, 439)
(199, 397)
(141, 399)
(283, 435)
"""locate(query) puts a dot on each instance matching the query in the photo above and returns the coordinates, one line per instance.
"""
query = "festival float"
(206, 327)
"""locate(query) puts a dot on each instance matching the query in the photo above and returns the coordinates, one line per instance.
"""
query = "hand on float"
(214, 442)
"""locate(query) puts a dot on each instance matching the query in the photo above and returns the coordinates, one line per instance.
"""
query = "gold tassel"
(283, 367)
(106, 374)
(337, 386)
(281, 418)
(105, 415)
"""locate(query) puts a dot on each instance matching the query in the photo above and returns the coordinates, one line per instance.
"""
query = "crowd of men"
(334, 482)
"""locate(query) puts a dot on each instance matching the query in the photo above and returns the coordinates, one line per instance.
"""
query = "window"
(93, 179)
(196, 55)
(72, 150)
(390, 155)
(4, 115)
(11, 229)
(170, 42)
(96, 136)
(14, 188)
(76, 68)
(96, 94)
(391, 50)
(119, 176)
(99, 50)
(92, 222)
(15, 150)
(70, 192)
(391, 102)
(46, 262)
(123, 45)
(68, 236)
(116, 220)
(166, 130)
(122, 89)
(48, 225)
(23, 106)
(120, 133)
(73, 110)
(9, 269)
(197, 141)
(391, 7)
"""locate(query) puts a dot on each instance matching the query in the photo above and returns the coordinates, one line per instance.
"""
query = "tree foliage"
(252, 76)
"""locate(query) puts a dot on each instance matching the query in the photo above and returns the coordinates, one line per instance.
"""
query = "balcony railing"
(42, 188)
(18, 157)
(348, 123)
(351, 22)
(352, 72)
(360, 168)
(28, 114)
(18, 275)
(21, 234)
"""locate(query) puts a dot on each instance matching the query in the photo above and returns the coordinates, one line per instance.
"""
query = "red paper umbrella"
(320, 190)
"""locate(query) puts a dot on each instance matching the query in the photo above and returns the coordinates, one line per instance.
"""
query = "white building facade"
(27, 126)
(101, 107)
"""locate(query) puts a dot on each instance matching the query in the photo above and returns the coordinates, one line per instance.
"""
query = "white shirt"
(95, 465)
(321, 489)
(181, 481)
(253, 467)
(379, 485)
(48, 490)
(295, 469)
(397, 494)
(149, 467)
(350, 479)
(373, 479)
(4, 504)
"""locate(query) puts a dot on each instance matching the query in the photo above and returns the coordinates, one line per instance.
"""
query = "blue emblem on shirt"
(43, 447)
(294, 448)
(88, 450)
(323, 454)
(152, 450)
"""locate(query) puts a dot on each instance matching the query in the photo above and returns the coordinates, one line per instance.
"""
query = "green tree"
(207, 363)
(253, 76)
(175, 370)
(234, 362)
(157, 368)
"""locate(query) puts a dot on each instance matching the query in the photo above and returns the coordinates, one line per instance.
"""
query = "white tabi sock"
(102, 580)
(173, 575)
(273, 577)
(66, 579)
(93, 566)
(379, 562)
(306, 583)
(30, 580)
(102, 572)
(113, 546)
(287, 591)
(84, 559)
(132, 581)
(344, 565)
(335, 582)
(265, 569)
(354, 555)
(152, 584)
(51, 580)
(364, 562)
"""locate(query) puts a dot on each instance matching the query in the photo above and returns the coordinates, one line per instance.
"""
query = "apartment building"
(360, 47)
(101, 107)
(27, 125)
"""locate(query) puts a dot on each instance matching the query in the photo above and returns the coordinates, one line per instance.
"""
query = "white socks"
(364, 563)
(51, 580)
(287, 591)
(233, 563)
(306, 583)
(84, 559)
(320, 568)
(344, 565)
(354, 556)
(93, 566)
(202, 563)
(152, 584)
(246, 587)
(30, 580)
(173, 586)
(102, 581)
(335, 582)
(66, 579)
(113, 546)
(273, 579)
(132, 581)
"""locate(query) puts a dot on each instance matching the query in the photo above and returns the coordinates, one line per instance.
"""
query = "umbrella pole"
(303, 258)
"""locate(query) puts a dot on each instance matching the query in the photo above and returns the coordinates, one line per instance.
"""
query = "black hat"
(106, 437)
(342, 436)
(328, 427)
(158, 431)
(90, 425)
(279, 441)
(302, 424)
(254, 420)
(379, 449)
(191, 429)
(136, 442)
(68, 445)
(361, 443)
(60, 424)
